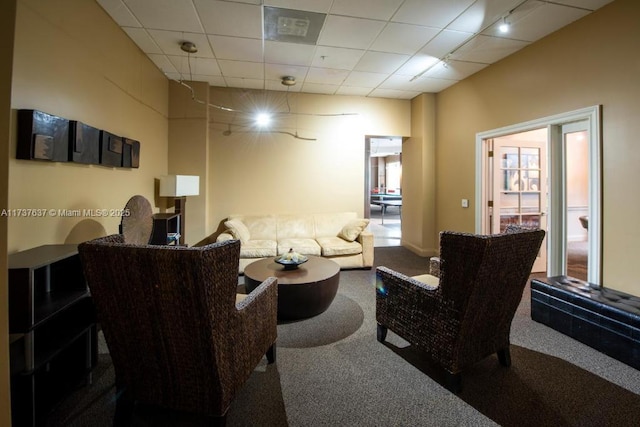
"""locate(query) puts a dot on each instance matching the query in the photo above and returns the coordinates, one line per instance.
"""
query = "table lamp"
(179, 187)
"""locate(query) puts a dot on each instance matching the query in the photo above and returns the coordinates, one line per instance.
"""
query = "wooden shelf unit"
(167, 229)
(53, 329)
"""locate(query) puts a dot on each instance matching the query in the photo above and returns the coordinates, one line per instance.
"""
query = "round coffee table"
(304, 292)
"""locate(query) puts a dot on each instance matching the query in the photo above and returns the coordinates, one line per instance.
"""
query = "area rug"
(343, 317)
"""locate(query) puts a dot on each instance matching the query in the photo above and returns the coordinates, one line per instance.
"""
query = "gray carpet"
(331, 371)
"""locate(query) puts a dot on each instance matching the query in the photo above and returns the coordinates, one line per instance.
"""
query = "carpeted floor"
(331, 371)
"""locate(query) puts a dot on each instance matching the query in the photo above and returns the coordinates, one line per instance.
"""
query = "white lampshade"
(179, 185)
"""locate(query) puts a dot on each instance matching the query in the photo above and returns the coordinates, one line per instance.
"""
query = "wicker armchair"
(177, 336)
(467, 315)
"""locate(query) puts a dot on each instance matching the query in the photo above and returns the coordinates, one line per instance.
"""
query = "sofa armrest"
(366, 240)
(224, 236)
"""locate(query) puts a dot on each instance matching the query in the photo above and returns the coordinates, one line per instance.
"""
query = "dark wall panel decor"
(110, 149)
(84, 144)
(42, 136)
(130, 153)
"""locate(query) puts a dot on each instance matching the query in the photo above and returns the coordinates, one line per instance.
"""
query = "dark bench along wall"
(602, 318)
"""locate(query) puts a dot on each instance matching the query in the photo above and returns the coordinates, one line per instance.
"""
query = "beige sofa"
(341, 237)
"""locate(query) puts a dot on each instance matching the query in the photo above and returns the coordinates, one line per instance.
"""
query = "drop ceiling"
(378, 48)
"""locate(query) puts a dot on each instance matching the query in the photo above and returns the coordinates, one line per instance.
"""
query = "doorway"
(569, 203)
(518, 188)
(383, 188)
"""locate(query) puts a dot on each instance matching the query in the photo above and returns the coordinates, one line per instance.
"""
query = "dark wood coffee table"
(304, 292)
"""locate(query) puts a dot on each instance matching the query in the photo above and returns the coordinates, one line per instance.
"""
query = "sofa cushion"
(303, 246)
(427, 279)
(238, 230)
(258, 249)
(330, 224)
(352, 229)
(295, 227)
(333, 246)
(261, 227)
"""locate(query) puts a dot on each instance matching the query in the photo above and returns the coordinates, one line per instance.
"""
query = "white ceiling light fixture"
(288, 81)
(188, 47)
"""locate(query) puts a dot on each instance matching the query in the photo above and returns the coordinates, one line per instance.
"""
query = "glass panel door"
(520, 195)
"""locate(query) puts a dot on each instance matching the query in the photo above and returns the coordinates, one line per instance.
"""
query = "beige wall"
(73, 61)
(7, 22)
(418, 179)
(253, 172)
(189, 150)
(592, 61)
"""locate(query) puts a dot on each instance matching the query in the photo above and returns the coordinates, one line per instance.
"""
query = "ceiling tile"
(432, 13)
(288, 53)
(243, 69)
(381, 62)
(585, 4)
(143, 40)
(373, 9)
(194, 65)
(174, 15)
(363, 79)
(326, 76)
(278, 71)
(445, 42)
(230, 19)
(321, 6)
(454, 70)
(422, 84)
(482, 14)
(170, 41)
(353, 91)
(245, 83)
(340, 31)
(163, 63)
(395, 94)
(236, 48)
(398, 82)
(120, 13)
(319, 88)
(429, 85)
(336, 57)
(212, 80)
(417, 64)
(487, 50)
(403, 38)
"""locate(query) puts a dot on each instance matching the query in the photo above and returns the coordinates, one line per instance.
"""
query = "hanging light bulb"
(504, 27)
(263, 119)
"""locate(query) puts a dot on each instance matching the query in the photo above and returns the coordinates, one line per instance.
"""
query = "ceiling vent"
(292, 26)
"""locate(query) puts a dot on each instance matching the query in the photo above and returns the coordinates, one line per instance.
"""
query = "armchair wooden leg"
(381, 334)
(504, 356)
(453, 382)
(271, 354)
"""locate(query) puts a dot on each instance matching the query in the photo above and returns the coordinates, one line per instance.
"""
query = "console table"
(602, 318)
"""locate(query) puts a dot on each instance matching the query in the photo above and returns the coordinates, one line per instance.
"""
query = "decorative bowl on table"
(291, 260)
